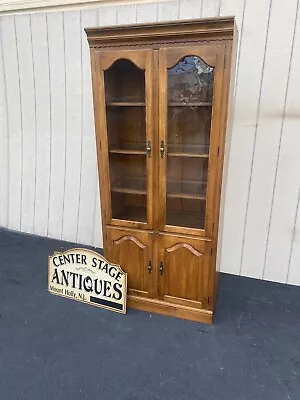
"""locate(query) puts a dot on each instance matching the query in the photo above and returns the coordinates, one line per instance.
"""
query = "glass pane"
(126, 131)
(189, 130)
(190, 95)
(191, 80)
(124, 81)
(126, 128)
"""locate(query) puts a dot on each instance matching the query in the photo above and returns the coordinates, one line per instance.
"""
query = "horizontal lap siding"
(49, 177)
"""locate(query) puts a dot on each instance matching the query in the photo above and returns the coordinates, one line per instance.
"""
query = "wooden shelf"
(124, 151)
(193, 155)
(190, 104)
(125, 104)
(194, 151)
(131, 185)
(128, 190)
(133, 213)
(188, 220)
(184, 189)
(173, 218)
(183, 150)
(194, 190)
(186, 196)
(129, 148)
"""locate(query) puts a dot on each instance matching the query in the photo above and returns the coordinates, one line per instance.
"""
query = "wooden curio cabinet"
(161, 101)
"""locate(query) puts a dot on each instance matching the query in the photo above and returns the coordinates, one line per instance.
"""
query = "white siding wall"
(48, 174)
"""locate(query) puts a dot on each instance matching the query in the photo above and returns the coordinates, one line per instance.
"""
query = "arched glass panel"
(126, 131)
(190, 80)
(124, 81)
(190, 96)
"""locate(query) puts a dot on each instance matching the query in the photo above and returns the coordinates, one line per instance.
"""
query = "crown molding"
(220, 28)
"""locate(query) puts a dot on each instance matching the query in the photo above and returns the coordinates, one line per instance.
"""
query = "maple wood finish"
(161, 96)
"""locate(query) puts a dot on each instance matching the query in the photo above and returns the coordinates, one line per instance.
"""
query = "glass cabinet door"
(129, 137)
(187, 131)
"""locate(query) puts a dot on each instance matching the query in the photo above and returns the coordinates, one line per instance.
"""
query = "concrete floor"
(59, 349)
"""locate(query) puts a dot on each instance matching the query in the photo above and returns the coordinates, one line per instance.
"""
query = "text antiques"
(84, 275)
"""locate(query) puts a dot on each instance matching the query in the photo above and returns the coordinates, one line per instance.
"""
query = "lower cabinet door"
(184, 266)
(132, 250)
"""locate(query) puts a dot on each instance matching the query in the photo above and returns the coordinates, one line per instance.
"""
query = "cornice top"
(220, 27)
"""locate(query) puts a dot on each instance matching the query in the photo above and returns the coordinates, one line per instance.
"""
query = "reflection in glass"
(190, 96)
(191, 80)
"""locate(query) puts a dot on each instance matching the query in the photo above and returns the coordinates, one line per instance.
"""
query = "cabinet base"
(161, 307)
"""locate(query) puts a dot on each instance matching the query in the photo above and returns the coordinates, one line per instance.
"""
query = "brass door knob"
(162, 149)
(161, 268)
(148, 148)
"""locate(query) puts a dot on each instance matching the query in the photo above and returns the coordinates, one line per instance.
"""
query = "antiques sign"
(84, 275)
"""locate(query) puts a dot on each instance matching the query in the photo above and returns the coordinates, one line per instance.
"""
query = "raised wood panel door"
(124, 110)
(184, 271)
(132, 250)
(190, 101)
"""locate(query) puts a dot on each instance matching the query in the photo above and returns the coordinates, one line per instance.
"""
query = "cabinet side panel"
(101, 143)
(225, 141)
